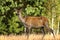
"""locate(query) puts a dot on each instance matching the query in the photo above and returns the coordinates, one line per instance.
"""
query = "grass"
(31, 37)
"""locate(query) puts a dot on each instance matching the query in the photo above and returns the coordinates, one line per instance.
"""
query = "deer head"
(19, 13)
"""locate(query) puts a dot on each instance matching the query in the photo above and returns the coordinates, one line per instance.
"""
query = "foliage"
(9, 22)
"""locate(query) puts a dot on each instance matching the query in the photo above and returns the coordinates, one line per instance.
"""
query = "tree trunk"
(52, 22)
(58, 28)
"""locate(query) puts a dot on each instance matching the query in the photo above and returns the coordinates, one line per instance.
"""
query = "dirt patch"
(31, 37)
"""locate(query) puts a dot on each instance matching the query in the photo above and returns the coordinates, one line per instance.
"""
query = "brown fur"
(36, 21)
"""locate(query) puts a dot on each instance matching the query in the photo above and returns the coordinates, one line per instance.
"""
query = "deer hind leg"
(52, 32)
(42, 29)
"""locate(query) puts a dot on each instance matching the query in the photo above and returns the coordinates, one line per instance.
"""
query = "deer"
(30, 22)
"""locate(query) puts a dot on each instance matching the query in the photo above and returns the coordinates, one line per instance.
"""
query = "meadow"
(31, 37)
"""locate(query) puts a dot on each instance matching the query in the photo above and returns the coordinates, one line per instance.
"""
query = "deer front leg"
(26, 29)
(52, 32)
(28, 32)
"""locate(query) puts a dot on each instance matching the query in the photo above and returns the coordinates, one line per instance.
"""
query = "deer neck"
(21, 17)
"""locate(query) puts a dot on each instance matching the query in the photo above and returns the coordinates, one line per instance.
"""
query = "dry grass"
(31, 37)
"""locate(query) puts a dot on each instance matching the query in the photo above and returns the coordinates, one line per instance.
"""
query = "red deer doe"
(34, 22)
